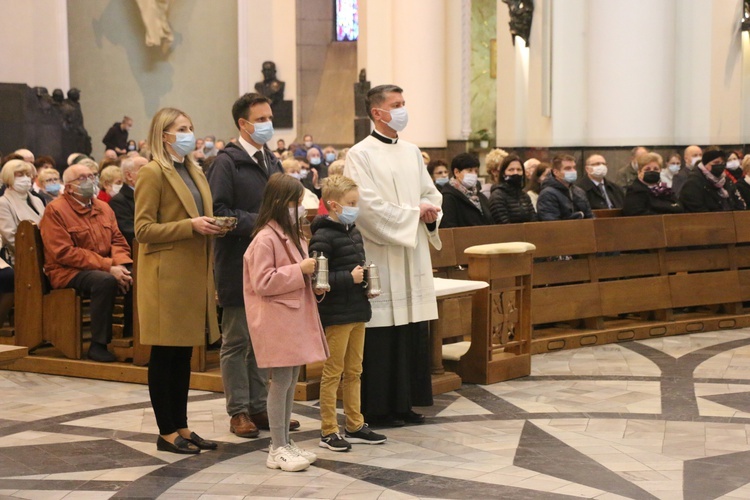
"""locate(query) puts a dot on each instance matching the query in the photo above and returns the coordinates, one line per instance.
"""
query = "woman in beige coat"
(173, 225)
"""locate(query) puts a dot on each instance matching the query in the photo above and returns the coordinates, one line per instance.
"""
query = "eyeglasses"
(90, 177)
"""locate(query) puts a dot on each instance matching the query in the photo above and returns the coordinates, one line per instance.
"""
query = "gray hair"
(127, 165)
(377, 95)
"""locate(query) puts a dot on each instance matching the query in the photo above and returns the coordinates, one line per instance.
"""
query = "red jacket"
(78, 238)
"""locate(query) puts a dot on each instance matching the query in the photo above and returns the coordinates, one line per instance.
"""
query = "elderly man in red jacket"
(84, 249)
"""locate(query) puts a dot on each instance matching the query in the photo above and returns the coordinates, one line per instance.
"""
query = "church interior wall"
(118, 75)
(326, 71)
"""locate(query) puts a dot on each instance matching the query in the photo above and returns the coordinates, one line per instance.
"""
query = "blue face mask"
(348, 215)
(442, 181)
(263, 132)
(184, 143)
(208, 145)
(570, 177)
(53, 188)
(315, 160)
(330, 157)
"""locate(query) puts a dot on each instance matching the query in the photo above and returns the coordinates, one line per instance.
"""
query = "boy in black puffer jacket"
(344, 310)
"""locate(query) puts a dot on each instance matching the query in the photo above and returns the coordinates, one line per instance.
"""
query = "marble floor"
(665, 418)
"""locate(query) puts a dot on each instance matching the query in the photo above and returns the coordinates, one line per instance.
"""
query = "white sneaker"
(286, 459)
(307, 455)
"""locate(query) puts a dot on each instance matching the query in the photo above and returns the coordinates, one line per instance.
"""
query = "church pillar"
(404, 43)
(34, 44)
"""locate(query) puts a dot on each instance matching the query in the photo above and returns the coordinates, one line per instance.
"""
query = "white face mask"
(694, 161)
(22, 184)
(599, 171)
(469, 180)
(674, 167)
(399, 119)
(732, 164)
(115, 189)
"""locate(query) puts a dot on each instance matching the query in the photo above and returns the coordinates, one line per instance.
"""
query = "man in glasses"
(85, 250)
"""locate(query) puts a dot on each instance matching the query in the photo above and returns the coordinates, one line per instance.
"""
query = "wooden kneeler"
(43, 315)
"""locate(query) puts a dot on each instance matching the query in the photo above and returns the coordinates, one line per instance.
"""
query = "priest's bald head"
(387, 109)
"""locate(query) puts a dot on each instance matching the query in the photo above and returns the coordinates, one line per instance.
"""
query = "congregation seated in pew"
(84, 250)
(648, 195)
(708, 189)
(16, 203)
(509, 203)
(463, 202)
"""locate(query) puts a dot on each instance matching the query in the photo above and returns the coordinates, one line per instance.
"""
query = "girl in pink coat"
(282, 313)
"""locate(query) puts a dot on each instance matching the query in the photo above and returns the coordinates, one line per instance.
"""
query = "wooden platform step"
(11, 353)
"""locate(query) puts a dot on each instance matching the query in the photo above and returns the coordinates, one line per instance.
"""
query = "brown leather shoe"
(261, 421)
(242, 426)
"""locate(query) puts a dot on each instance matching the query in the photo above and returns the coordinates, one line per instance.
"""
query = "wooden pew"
(627, 278)
(43, 314)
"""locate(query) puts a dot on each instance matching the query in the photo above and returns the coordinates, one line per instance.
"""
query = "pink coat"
(282, 312)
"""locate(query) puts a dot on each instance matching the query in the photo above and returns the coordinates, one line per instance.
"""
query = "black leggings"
(168, 385)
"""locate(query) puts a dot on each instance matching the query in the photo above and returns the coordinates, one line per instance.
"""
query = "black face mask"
(515, 180)
(718, 169)
(651, 177)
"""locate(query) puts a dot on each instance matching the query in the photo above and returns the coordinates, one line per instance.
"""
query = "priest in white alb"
(398, 218)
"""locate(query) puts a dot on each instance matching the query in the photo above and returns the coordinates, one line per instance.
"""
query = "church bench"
(625, 277)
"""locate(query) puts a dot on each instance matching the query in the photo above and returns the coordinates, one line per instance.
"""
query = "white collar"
(251, 150)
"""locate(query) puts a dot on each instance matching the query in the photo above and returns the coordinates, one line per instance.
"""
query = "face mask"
(131, 148)
(399, 119)
(308, 144)
(115, 189)
(348, 215)
(263, 132)
(295, 215)
(303, 173)
(296, 175)
(695, 161)
(651, 177)
(718, 170)
(570, 177)
(22, 184)
(442, 181)
(53, 188)
(184, 143)
(733, 164)
(315, 160)
(330, 157)
(469, 180)
(599, 171)
(515, 180)
(674, 167)
(86, 189)
(208, 145)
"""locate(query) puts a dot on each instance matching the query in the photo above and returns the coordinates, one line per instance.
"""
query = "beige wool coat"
(175, 273)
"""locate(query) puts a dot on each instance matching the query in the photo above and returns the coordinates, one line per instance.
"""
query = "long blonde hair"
(162, 120)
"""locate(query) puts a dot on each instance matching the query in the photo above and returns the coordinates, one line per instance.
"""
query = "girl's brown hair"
(280, 190)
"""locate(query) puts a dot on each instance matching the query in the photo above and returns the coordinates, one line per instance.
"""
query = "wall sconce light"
(746, 16)
(521, 14)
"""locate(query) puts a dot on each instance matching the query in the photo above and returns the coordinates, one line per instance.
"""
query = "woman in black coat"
(707, 188)
(463, 203)
(509, 203)
(648, 195)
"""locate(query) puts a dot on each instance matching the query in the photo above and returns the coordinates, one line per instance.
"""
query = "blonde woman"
(174, 224)
(16, 203)
(110, 183)
(492, 163)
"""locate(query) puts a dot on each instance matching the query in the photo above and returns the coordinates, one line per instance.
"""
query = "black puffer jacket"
(347, 302)
(558, 202)
(510, 205)
(237, 183)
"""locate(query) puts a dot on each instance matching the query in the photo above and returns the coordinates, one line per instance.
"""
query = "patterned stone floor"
(665, 418)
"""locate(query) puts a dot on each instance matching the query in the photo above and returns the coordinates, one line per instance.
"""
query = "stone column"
(404, 43)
